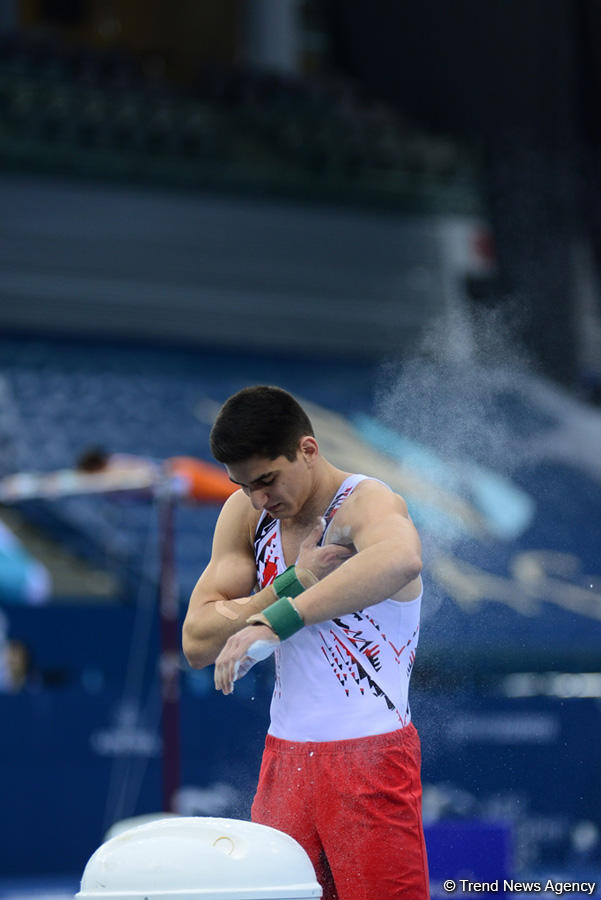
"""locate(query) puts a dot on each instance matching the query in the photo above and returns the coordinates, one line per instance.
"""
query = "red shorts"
(355, 807)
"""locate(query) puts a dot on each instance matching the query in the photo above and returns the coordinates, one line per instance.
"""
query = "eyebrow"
(254, 481)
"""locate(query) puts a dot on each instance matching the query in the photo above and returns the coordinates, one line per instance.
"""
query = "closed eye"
(259, 483)
(256, 485)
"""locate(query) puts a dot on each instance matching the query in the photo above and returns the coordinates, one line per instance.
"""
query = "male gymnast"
(321, 568)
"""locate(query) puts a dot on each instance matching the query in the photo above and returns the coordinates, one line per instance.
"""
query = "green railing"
(287, 147)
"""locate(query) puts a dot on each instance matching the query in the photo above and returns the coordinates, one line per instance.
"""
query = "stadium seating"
(83, 111)
(68, 396)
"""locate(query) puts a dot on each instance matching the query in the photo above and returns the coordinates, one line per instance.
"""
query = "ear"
(309, 449)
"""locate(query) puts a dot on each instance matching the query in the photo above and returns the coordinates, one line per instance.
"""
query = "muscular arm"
(221, 601)
(388, 558)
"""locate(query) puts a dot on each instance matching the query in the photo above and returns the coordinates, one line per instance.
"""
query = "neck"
(327, 479)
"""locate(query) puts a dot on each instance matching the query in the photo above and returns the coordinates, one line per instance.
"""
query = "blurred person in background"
(341, 766)
(182, 476)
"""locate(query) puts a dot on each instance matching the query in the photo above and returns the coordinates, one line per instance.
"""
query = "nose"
(259, 498)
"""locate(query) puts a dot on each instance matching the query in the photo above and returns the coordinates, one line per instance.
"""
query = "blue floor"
(51, 887)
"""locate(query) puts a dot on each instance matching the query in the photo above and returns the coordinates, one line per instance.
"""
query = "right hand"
(320, 561)
(240, 652)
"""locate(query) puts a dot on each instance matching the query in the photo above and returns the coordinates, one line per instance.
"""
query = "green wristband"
(287, 584)
(283, 618)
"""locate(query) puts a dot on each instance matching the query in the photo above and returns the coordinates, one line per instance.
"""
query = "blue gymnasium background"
(501, 471)
(506, 691)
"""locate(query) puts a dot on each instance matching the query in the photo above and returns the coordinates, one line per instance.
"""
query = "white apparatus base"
(181, 858)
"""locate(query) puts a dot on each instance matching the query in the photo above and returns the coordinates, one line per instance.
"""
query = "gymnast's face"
(280, 486)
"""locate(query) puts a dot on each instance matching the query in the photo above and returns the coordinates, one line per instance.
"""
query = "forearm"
(207, 629)
(373, 575)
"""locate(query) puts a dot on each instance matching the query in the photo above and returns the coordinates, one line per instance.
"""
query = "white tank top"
(347, 677)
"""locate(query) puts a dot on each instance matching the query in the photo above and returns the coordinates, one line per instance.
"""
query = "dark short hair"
(259, 421)
(92, 459)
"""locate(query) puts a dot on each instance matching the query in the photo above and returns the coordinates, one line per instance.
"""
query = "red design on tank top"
(269, 572)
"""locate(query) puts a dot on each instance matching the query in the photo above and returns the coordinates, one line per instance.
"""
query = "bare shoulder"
(231, 569)
(370, 502)
(237, 522)
(375, 515)
(371, 494)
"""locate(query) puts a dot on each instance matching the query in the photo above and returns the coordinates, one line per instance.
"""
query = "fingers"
(320, 561)
(239, 654)
(332, 555)
(226, 667)
(340, 552)
(315, 534)
(225, 674)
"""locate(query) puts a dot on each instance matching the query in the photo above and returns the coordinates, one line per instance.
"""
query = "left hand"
(238, 654)
(321, 560)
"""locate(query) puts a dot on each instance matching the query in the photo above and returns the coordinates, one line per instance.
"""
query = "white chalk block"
(190, 858)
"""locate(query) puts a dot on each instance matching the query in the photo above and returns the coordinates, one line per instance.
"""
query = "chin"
(283, 512)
